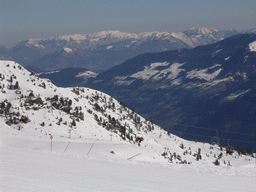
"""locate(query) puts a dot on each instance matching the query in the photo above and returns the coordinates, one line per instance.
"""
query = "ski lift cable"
(192, 134)
(207, 136)
(215, 129)
(211, 137)
(207, 129)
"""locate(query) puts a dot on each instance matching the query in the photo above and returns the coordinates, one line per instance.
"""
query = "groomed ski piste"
(84, 140)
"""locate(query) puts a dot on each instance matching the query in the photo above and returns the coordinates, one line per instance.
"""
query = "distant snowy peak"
(31, 43)
(103, 35)
(204, 36)
(153, 35)
(202, 30)
(109, 37)
(74, 37)
(112, 34)
(99, 35)
(252, 30)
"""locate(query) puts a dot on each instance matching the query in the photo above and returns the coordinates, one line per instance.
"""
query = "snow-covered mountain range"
(105, 49)
(193, 37)
(50, 134)
(192, 91)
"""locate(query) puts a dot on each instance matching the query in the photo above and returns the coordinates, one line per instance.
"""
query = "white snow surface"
(172, 71)
(156, 74)
(202, 74)
(88, 157)
(216, 52)
(87, 74)
(109, 47)
(50, 72)
(68, 50)
(238, 93)
(149, 71)
(227, 58)
(252, 46)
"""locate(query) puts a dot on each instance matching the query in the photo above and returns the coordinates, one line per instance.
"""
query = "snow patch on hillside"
(87, 74)
(153, 71)
(51, 72)
(148, 71)
(203, 74)
(175, 70)
(109, 47)
(252, 46)
(216, 52)
(122, 80)
(238, 93)
(68, 50)
(209, 84)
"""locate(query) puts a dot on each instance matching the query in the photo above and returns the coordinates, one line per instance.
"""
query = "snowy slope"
(252, 46)
(93, 146)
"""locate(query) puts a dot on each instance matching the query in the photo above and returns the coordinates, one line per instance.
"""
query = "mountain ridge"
(110, 47)
(118, 35)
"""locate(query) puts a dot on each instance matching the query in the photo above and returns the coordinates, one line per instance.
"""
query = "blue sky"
(25, 19)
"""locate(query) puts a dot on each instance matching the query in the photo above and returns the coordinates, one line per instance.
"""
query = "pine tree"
(16, 86)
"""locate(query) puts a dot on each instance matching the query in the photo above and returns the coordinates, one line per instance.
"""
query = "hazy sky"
(25, 19)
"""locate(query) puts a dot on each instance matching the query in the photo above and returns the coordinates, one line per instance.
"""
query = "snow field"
(88, 157)
(27, 164)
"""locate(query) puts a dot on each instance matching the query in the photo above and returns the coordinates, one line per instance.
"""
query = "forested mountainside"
(192, 92)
